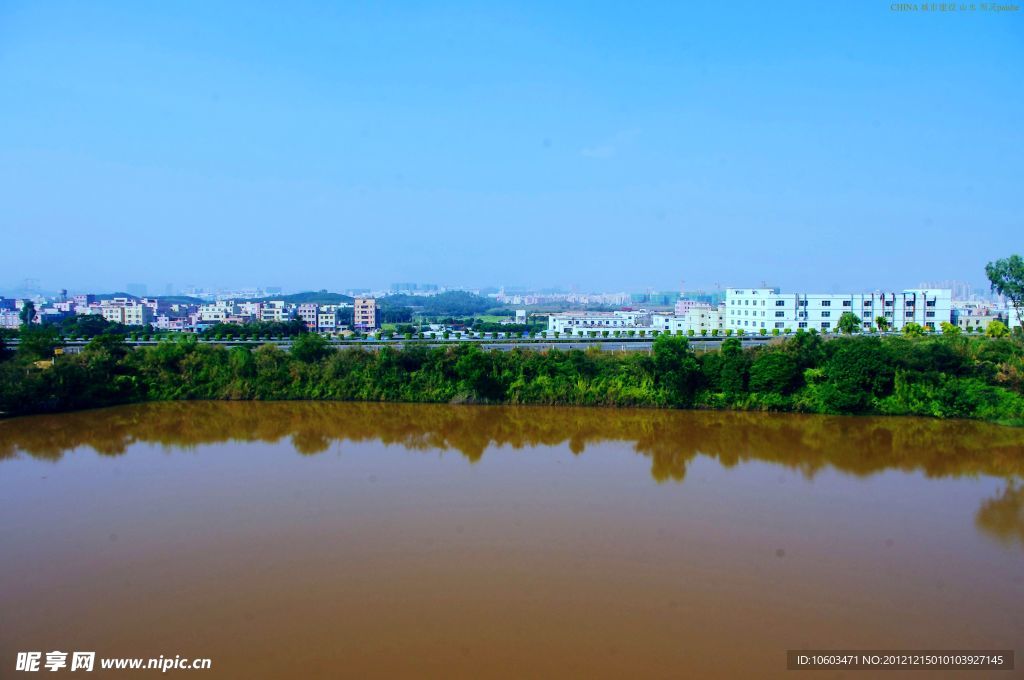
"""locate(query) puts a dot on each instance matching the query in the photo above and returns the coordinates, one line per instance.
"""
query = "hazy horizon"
(825, 147)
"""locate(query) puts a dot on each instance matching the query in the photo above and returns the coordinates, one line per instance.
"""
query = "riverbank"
(940, 377)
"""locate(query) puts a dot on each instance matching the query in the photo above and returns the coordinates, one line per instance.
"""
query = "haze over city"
(827, 146)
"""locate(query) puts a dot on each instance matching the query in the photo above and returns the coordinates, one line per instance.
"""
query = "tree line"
(942, 376)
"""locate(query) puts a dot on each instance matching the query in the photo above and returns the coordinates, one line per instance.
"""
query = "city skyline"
(962, 289)
(536, 145)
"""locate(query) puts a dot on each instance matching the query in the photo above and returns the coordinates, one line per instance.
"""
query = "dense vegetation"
(450, 303)
(257, 329)
(944, 376)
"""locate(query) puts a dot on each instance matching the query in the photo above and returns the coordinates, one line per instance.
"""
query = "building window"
(826, 314)
(826, 303)
(930, 314)
(780, 303)
(802, 324)
(778, 314)
(779, 324)
(846, 303)
(825, 324)
(909, 315)
(930, 303)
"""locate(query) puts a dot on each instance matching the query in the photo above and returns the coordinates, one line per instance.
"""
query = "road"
(607, 345)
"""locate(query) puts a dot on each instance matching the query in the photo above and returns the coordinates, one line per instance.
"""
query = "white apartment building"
(217, 312)
(9, 318)
(574, 323)
(129, 314)
(751, 309)
(273, 311)
(697, 317)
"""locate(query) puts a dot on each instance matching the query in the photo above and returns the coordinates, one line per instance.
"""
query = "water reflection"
(670, 439)
(1003, 516)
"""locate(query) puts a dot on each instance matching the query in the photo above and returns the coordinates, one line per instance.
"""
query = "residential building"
(9, 318)
(751, 309)
(698, 318)
(129, 314)
(216, 312)
(975, 317)
(365, 316)
(308, 313)
(273, 310)
(329, 319)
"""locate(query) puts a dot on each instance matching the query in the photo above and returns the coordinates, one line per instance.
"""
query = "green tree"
(996, 329)
(28, 313)
(38, 343)
(882, 323)
(676, 369)
(775, 371)
(949, 329)
(849, 323)
(913, 330)
(1007, 278)
(310, 347)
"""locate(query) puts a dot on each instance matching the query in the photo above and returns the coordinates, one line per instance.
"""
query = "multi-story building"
(751, 309)
(700, 318)
(308, 313)
(273, 311)
(364, 316)
(217, 312)
(129, 313)
(9, 318)
(328, 319)
(976, 316)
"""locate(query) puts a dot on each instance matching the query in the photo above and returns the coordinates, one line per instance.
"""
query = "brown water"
(308, 540)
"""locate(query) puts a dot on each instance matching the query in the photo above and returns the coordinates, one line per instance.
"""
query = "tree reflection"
(671, 439)
(1003, 516)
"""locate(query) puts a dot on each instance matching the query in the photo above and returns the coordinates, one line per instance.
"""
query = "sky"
(591, 145)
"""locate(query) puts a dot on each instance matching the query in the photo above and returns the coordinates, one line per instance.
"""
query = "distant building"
(686, 304)
(975, 316)
(365, 315)
(651, 298)
(520, 316)
(9, 318)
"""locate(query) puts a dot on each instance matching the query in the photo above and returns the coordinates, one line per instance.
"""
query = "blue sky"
(599, 145)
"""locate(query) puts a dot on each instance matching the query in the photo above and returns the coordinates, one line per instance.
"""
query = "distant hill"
(109, 296)
(169, 299)
(311, 297)
(180, 299)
